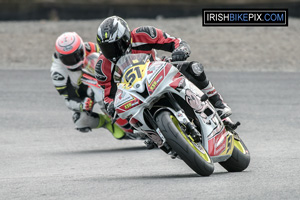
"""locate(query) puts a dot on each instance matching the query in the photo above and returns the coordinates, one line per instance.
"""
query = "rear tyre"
(240, 158)
(193, 155)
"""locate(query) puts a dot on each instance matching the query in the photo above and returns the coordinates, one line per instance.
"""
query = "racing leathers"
(144, 40)
(79, 97)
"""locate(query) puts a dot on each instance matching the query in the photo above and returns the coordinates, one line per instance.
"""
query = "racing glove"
(182, 52)
(87, 104)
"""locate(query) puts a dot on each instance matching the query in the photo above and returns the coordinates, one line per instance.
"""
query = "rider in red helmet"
(115, 39)
(66, 72)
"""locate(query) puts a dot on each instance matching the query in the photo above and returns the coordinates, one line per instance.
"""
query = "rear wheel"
(240, 158)
(194, 155)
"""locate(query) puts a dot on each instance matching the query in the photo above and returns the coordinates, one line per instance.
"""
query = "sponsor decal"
(122, 97)
(160, 135)
(211, 92)
(127, 106)
(193, 100)
(153, 85)
(57, 76)
(245, 17)
(131, 104)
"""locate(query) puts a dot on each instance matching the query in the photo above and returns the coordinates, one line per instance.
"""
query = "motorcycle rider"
(115, 39)
(66, 72)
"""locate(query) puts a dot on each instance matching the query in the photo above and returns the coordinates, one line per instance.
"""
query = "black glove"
(182, 52)
(179, 56)
(111, 109)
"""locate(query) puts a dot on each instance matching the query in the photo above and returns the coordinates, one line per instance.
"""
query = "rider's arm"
(103, 72)
(147, 37)
(62, 84)
(91, 47)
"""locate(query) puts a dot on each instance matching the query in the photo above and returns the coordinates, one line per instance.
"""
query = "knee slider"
(197, 68)
(76, 116)
(84, 130)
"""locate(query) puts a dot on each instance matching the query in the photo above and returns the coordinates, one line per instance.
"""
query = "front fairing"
(152, 84)
(159, 78)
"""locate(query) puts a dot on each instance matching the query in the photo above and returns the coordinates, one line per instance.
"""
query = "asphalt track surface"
(43, 157)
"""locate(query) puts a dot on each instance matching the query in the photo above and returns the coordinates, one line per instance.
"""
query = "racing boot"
(216, 100)
(116, 131)
(194, 71)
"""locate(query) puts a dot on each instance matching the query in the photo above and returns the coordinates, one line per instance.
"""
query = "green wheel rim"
(203, 154)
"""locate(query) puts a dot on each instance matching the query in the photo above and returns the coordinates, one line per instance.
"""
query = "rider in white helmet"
(66, 72)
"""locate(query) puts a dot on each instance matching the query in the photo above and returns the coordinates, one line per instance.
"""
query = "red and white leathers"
(68, 84)
(143, 40)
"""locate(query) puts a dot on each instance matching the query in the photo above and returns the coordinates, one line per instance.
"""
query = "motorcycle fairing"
(134, 75)
(160, 78)
(125, 101)
(154, 69)
(221, 144)
(160, 70)
(178, 82)
(215, 139)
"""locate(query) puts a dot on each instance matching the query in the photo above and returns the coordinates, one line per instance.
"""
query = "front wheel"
(194, 155)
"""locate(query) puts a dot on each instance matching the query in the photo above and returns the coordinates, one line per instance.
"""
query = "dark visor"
(73, 58)
(114, 50)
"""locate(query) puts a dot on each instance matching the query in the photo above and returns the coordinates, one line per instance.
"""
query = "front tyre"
(193, 155)
(239, 159)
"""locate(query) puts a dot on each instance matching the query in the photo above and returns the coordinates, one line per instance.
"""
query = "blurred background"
(95, 9)
(29, 28)
(256, 69)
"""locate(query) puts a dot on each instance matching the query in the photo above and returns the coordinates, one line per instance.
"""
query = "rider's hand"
(182, 52)
(180, 55)
(166, 59)
(87, 104)
(111, 109)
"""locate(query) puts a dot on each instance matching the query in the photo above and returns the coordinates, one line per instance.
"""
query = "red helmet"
(70, 50)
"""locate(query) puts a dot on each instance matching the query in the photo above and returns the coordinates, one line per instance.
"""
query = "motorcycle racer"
(115, 39)
(68, 62)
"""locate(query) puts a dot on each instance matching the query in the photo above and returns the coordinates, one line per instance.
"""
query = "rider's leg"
(194, 71)
(131, 133)
(84, 123)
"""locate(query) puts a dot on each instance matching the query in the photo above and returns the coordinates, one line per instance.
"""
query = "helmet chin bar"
(114, 59)
(77, 66)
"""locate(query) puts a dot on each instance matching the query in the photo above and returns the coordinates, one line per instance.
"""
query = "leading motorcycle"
(160, 102)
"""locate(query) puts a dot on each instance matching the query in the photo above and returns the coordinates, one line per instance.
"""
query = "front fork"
(161, 143)
(181, 117)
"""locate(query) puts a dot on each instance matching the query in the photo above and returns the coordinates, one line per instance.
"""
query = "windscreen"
(128, 61)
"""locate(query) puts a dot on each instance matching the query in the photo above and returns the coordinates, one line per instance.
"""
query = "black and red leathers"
(143, 40)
